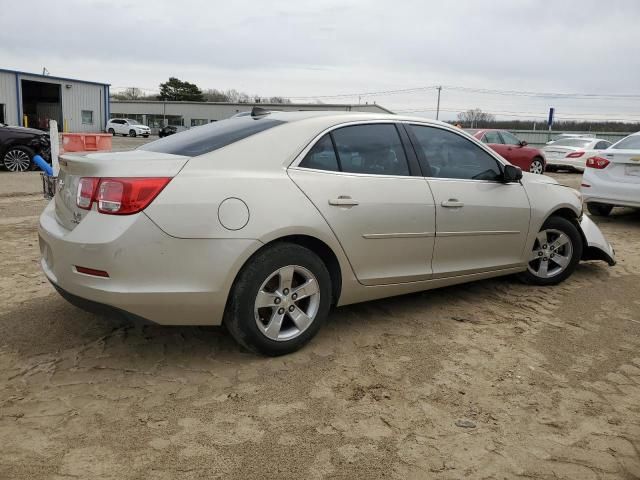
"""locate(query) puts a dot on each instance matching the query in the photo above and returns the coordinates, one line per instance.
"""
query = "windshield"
(210, 137)
(133, 122)
(573, 142)
(632, 142)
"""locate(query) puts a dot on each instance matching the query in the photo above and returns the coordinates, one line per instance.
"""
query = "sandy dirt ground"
(490, 380)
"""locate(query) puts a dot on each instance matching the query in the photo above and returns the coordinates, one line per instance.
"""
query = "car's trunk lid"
(624, 166)
(136, 163)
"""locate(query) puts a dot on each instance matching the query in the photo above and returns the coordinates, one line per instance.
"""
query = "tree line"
(178, 90)
(476, 118)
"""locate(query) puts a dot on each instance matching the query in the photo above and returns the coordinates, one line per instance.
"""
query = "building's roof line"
(253, 104)
(6, 70)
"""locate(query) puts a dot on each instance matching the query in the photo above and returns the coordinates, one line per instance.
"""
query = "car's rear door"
(481, 222)
(368, 187)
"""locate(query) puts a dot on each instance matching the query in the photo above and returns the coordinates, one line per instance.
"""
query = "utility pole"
(438, 107)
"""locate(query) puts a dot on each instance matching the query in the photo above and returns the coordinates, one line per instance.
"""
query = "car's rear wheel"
(279, 300)
(555, 253)
(537, 166)
(112, 132)
(599, 209)
(132, 133)
(18, 159)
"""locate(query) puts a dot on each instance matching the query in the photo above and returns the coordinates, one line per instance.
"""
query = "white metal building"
(191, 114)
(29, 99)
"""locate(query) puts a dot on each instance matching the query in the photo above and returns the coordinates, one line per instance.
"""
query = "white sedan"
(263, 222)
(573, 152)
(126, 126)
(613, 178)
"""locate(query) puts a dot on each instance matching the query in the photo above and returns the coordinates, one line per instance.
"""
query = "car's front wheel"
(537, 166)
(279, 300)
(599, 209)
(18, 159)
(112, 132)
(132, 133)
(555, 253)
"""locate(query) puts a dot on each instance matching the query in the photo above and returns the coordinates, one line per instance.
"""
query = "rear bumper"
(610, 191)
(567, 162)
(163, 279)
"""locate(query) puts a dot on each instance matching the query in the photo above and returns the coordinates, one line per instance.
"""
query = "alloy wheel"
(287, 303)
(551, 254)
(536, 167)
(17, 160)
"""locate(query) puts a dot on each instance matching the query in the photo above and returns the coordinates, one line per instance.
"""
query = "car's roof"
(336, 117)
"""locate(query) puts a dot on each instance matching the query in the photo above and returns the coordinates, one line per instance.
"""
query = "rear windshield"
(630, 143)
(212, 136)
(573, 142)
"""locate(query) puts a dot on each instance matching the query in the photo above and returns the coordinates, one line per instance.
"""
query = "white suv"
(126, 126)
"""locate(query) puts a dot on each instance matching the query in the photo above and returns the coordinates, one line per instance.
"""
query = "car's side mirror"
(511, 174)
(523, 143)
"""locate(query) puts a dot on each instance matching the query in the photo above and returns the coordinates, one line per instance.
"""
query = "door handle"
(343, 201)
(452, 203)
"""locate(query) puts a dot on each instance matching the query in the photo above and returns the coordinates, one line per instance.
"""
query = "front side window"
(509, 138)
(212, 136)
(492, 137)
(450, 155)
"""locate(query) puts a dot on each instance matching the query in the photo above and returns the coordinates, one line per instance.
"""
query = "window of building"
(2, 107)
(196, 122)
(87, 117)
(449, 155)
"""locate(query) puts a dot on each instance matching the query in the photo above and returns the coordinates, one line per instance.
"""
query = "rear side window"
(450, 155)
(492, 137)
(207, 138)
(371, 149)
(322, 156)
(603, 145)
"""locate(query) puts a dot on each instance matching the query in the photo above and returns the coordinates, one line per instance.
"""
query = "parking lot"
(493, 379)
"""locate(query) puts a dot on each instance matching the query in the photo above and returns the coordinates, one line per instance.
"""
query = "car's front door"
(359, 178)
(119, 126)
(481, 222)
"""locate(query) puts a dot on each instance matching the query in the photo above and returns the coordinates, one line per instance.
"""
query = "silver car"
(264, 222)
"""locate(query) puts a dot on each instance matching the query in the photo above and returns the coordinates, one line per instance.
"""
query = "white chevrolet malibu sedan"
(263, 222)
(613, 178)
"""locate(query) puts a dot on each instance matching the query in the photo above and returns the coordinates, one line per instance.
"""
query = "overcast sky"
(296, 48)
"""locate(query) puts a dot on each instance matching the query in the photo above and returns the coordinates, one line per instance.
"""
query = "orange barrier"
(86, 142)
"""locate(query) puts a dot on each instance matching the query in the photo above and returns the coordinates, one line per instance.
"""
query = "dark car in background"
(18, 145)
(166, 131)
(514, 150)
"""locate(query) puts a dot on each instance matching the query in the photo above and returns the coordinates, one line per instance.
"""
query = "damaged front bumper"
(596, 246)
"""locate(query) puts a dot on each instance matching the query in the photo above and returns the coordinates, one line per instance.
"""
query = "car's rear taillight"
(575, 154)
(597, 162)
(119, 196)
(86, 192)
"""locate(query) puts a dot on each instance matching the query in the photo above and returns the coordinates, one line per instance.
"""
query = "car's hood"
(34, 131)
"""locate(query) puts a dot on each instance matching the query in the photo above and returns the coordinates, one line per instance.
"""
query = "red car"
(513, 149)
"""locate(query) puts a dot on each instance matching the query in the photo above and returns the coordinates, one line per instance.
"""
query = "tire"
(145, 136)
(132, 133)
(112, 132)
(18, 159)
(537, 166)
(253, 326)
(562, 234)
(599, 209)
